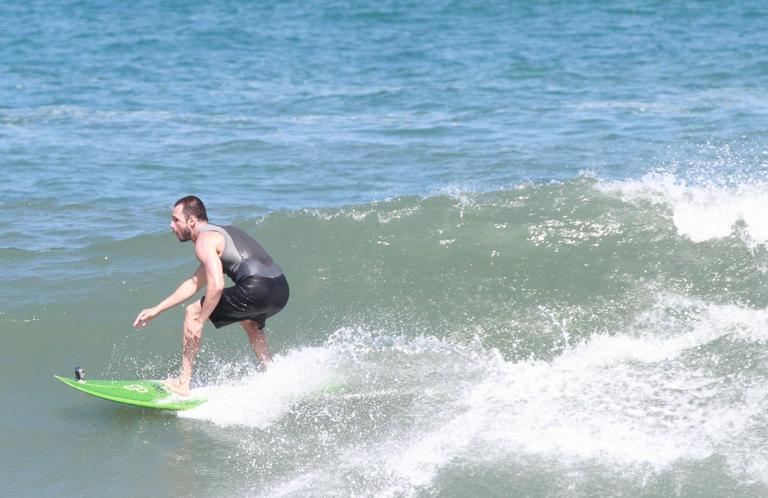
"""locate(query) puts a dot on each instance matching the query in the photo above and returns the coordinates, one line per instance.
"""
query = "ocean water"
(528, 238)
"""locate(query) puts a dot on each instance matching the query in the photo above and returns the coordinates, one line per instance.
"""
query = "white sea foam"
(702, 212)
(621, 401)
(258, 400)
(383, 213)
(661, 392)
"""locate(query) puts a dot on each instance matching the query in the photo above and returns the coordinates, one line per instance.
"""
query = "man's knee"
(251, 326)
(193, 310)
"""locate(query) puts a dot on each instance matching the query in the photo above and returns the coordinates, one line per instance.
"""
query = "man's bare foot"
(176, 386)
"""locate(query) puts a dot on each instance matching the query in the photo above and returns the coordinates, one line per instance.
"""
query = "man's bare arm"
(184, 291)
(205, 250)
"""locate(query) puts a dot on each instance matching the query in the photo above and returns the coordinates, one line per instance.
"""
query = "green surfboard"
(144, 393)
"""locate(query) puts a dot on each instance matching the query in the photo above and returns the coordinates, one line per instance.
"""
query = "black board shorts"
(252, 298)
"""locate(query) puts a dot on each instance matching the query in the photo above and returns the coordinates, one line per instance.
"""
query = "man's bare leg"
(258, 340)
(190, 347)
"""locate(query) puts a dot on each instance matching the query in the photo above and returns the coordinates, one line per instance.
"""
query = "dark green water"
(558, 339)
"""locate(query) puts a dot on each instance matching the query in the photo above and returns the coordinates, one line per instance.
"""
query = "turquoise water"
(529, 238)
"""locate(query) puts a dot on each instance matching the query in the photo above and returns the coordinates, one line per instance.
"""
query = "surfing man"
(260, 289)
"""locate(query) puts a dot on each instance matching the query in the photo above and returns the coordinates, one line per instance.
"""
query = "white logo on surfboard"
(136, 388)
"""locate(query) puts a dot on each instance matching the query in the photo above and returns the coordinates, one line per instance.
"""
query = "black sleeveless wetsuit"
(260, 289)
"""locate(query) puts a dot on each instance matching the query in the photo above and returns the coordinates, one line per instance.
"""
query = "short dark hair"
(193, 206)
